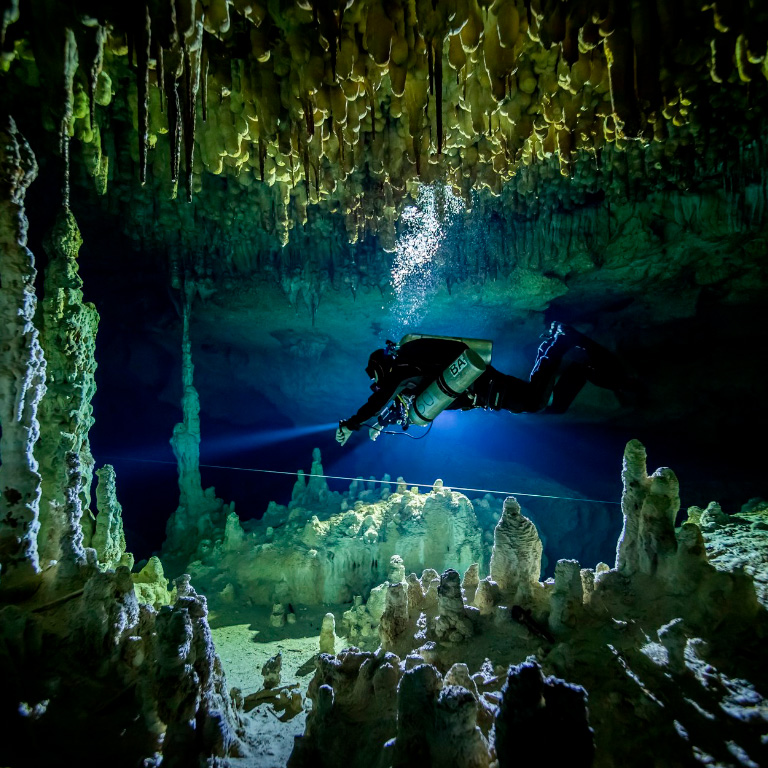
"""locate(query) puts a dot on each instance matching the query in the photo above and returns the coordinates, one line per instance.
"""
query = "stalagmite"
(68, 336)
(452, 624)
(109, 537)
(271, 671)
(566, 603)
(200, 514)
(516, 558)
(22, 372)
(394, 625)
(72, 560)
(151, 586)
(530, 703)
(649, 504)
(328, 634)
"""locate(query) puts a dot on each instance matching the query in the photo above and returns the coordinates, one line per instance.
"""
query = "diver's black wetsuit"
(419, 362)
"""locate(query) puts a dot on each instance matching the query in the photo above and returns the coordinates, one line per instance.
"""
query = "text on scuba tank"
(456, 367)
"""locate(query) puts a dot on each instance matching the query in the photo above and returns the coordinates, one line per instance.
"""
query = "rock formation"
(75, 638)
(109, 537)
(322, 175)
(328, 547)
(200, 515)
(68, 328)
(591, 648)
(22, 371)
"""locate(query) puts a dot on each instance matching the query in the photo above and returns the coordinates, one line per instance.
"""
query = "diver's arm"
(389, 388)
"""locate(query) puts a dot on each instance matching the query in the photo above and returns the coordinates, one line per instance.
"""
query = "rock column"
(199, 512)
(22, 371)
(109, 538)
(68, 335)
(647, 544)
(517, 550)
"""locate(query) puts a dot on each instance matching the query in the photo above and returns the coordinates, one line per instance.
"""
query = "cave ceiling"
(596, 160)
(267, 116)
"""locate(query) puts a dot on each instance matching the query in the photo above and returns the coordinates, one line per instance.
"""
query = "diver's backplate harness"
(423, 408)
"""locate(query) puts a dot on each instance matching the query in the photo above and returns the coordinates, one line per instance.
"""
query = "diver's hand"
(374, 432)
(342, 434)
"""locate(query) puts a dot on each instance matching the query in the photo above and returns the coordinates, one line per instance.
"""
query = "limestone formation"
(71, 572)
(470, 582)
(200, 515)
(649, 504)
(624, 636)
(452, 624)
(517, 550)
(322, 108)
(328, 634)
(68, 328)
(740, 541)
(194, 702)
(22, 371)
(566, 603)
(327, 552)
(356, 684)
(271, 671)
(151, 585)
(277, 617)
(437, 723)
(487, 596)
(530, 703)
(395, 627)
(109, 537)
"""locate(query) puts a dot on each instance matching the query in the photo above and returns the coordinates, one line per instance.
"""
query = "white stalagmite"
(647, 543)
(22, 371)
(151, 586)
(517, 550)
(319, 550)
(328, 634)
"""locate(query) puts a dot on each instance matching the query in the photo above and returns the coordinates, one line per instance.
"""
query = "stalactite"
(160, 75)
(204, 83)
(439, 97)
(90, 42)
(143, 48)
(171, 61)
(189, 94)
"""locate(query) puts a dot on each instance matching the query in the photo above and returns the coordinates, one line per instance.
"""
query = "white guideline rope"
(389, 482)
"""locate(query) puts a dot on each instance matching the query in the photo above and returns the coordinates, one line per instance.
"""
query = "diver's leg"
(604, 368)
(570, 383)
(546, 368)
(497, 390)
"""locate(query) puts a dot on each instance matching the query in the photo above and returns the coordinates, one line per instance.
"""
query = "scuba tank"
(454, 380)
(482, 347)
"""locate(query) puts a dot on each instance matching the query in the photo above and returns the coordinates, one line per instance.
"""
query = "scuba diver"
(415, 380)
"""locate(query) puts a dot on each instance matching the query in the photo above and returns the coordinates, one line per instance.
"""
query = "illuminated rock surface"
(649, 635)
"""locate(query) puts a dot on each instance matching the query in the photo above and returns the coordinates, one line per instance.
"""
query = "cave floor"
(244, 641)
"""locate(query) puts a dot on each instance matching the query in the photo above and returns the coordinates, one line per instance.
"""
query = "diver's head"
(379, 364)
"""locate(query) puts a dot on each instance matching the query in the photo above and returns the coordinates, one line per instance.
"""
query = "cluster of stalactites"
(329, 101)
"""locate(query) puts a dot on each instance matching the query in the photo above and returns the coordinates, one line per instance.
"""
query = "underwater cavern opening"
(542, 224)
